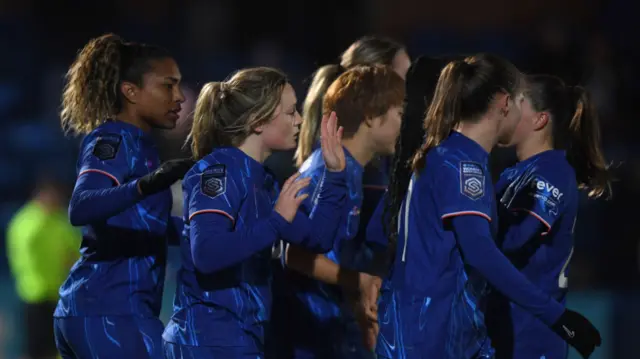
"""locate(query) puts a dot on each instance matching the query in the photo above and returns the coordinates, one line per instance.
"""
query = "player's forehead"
(288, 98)
(163, 70)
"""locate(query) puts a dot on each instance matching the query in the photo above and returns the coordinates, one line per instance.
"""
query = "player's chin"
(167, 124)
(507, 143)
(283, 145)
(290, 145)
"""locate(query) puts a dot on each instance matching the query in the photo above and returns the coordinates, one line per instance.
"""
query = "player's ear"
(368, 122)
(540, 120)
(503, 103)
(260, 128)
(129, 91)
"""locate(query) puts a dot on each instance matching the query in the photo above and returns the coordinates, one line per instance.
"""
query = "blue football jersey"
(375, 180)
(431, 301)
(543, 186)
(319, 322)
(123, 258)
(230, 307)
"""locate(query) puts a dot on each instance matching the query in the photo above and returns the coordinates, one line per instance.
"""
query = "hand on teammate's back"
(289, 199)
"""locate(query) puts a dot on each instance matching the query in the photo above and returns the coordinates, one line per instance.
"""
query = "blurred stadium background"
(589, 42)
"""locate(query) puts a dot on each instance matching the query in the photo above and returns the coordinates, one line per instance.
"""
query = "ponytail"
(368, 50)
(445, 110)
(91, 93)
(228, 112)
(421, 82)
(204, 131)
(584, 149)
(312, 111)
(91, 90)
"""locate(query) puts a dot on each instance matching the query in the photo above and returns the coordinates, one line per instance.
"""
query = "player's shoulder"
(100, 132)
(447, 169)
(555, 170)
(210, 175)
(103, 142)
(314, 165)
(448, 164)
(216, 162)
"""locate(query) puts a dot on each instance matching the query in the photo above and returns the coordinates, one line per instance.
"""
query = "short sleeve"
(104, 153)
(542, 195)
(461, 189)
(214, 190)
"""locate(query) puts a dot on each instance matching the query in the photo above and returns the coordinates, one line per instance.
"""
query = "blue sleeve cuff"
(335, 177)
(294, 232)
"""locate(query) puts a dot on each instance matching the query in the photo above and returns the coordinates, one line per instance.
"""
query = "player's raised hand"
(289, 200)
(578, 331)
(331, 142)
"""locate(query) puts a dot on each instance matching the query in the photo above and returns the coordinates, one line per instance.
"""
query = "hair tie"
(224, 88)
(466, 68)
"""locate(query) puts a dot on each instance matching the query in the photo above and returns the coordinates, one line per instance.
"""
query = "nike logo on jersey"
(570, 333)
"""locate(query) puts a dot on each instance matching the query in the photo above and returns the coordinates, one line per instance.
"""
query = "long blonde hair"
(369, 50)
(227, 112)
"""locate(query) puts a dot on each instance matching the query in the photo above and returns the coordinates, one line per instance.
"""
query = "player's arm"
(533, 210)
(215, 242)
(520, 230)
(323, 208)
(474, 237)
(473, 234)
(322, 211)
(465, 209)
(100, 191)
(319, 267)
(319, 214)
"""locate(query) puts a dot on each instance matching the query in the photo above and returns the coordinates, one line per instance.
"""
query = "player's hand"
(578, 331)
(364, 305)
(331, 142)
(164, 176)
(369, 292)
(289, 200)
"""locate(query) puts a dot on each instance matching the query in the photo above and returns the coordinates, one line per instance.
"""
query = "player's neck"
(359, 149)
(254, 148)
(131, 118)
(531, 148)
(480, 133)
